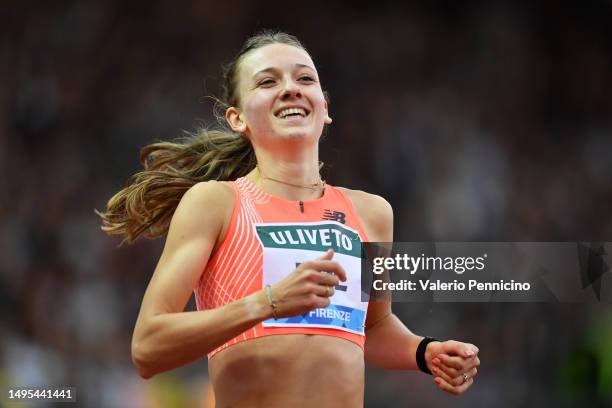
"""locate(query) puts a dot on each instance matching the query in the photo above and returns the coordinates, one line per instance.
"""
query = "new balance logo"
(337, 216)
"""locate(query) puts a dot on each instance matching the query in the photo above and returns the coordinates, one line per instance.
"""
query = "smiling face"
(279, 96)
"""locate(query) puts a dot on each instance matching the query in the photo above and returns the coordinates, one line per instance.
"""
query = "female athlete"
(270, 251)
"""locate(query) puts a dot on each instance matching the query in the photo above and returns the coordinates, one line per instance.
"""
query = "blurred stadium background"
(478, 120)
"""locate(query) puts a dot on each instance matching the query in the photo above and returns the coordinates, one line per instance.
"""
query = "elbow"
(142, 361)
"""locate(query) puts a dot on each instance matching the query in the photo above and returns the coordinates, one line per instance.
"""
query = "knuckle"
(311, 288)
(312, 276)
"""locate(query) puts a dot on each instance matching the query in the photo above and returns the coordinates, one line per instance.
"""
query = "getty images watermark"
(487, 271)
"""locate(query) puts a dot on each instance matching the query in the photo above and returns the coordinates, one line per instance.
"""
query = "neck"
(289, 179)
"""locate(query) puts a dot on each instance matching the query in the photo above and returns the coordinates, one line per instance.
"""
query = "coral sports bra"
(266, 240)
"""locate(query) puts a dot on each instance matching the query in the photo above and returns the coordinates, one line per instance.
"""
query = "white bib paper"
(287, 245)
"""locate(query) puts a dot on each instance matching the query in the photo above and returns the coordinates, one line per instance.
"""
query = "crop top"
(266, 239)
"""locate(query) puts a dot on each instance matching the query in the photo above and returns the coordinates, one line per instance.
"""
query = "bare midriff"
(290, 370)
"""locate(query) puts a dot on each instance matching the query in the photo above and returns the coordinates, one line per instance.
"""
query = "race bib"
(285, 246)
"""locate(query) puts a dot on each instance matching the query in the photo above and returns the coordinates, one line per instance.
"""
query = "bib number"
(285, 246)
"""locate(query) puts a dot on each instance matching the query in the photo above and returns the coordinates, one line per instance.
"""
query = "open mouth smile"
(288, 113)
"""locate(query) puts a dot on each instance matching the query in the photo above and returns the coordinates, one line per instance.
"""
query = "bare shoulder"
(209, 202)
(209, 192)
(374, 212)
(367, 202)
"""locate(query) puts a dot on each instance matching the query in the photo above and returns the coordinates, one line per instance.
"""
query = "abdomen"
(296, 370)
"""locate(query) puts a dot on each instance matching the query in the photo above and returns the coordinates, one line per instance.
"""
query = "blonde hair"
(146, 205)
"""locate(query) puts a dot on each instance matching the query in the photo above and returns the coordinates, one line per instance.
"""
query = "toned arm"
(165, 336)
(389, 343)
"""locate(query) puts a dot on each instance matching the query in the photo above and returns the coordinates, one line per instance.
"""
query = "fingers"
(454, 390)
(449, 370)
(455, 362)
(454, 381)
(323, 265)
(328, 255)
(458, 348)
(310, 286)
(325, 291)
(453, 366)
(327, 279)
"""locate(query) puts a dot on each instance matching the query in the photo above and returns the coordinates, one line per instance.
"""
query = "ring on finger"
(465, 378)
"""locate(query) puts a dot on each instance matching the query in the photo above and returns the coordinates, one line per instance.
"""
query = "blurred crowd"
(477, 120)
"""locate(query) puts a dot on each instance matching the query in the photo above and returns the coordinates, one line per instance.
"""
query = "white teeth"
(285, 112)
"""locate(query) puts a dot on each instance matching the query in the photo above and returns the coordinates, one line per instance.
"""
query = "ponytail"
(145, 207)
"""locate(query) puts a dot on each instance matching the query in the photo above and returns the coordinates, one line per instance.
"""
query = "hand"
(448, 362)
(308, 287)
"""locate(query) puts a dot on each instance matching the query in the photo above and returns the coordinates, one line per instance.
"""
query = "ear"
(235, 119)
(327, 119)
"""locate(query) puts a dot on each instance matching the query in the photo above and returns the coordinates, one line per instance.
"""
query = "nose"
(290, 89)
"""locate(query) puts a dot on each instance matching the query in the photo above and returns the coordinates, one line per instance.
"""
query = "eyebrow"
(272, 69)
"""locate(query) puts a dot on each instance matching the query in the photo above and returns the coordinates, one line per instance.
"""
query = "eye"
(306, 78)
(265, 82)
